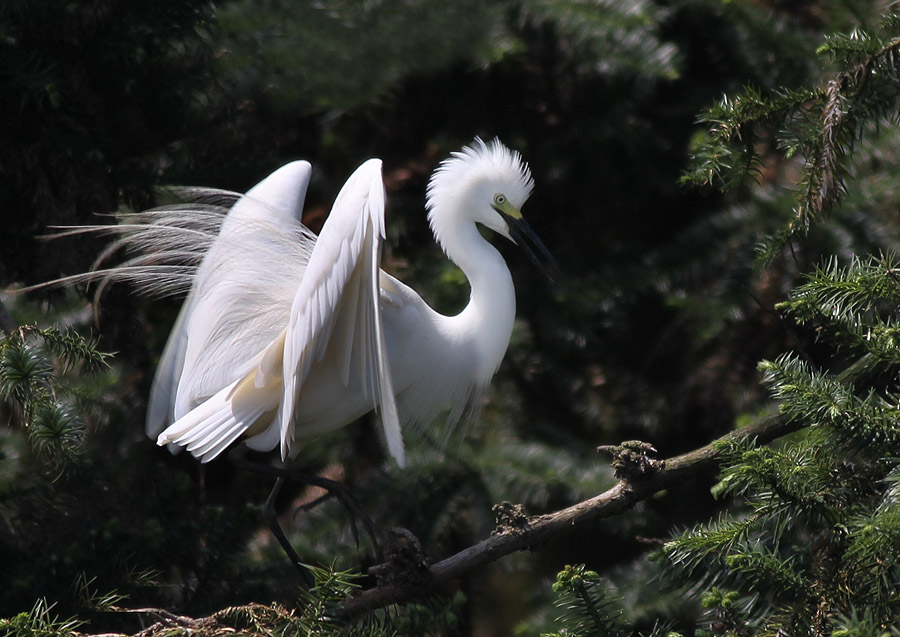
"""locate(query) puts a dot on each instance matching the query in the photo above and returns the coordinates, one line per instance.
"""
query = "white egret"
(278, 344)
(285, 336)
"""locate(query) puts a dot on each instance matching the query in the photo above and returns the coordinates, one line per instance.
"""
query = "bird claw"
(343, 494)
(333, 489)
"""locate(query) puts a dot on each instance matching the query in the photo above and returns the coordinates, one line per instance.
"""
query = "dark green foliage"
(654, 333)
(620, 36)
(819, 540)
(820, 124)
(840, 295)
(39, 622)
(586, 610)
(96, 95)
(40, 383)
(317, 606)
(278, 53)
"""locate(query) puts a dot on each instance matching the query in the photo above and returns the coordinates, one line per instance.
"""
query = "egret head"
(486, 184)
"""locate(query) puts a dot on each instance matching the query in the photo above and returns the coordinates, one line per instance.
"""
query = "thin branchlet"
(820, 124)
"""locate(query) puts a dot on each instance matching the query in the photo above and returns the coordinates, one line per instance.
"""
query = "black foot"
(334, 489)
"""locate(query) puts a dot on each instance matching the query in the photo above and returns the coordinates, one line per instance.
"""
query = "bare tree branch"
(536, 530)
(410, 577)
(411, 580)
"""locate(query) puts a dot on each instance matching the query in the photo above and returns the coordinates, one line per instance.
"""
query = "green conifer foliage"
(586, 609)
(820, 124)
(44, 396)
(654, 334)
(817, 544)
(40, 621)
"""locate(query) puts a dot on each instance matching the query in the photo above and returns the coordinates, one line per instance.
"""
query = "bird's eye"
(499, 200)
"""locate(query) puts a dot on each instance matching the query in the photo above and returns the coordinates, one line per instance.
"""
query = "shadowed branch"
(539, 529)
(622, 496)
(406, 576)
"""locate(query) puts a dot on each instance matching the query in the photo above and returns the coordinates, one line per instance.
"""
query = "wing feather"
(335, 309)
(211, 427)
(238, 304)
(161, 403)
(390, 418)
(340, 289)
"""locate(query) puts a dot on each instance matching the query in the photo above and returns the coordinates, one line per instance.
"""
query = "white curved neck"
(485, 324)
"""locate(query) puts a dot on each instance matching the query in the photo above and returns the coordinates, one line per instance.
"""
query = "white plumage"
(285, 336)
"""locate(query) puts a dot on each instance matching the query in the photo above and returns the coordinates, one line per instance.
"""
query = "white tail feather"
(207, 430)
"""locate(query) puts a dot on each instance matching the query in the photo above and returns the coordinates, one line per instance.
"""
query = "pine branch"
(408, 587)
(820, 123)
(585, 605)
(842, 294)
(621, 497)
(35, 369)
(865, 90)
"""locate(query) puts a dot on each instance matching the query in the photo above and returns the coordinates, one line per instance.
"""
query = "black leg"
(271, 519)
(334, 488)
(340, 491)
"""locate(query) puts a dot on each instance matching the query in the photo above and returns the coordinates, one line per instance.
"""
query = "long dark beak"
(530, 243)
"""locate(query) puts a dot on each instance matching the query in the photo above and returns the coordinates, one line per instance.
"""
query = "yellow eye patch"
(501, 204)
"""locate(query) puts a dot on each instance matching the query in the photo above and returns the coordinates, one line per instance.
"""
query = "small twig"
(165, 620)
(166, 617)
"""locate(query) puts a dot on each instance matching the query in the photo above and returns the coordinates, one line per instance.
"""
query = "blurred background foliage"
(654, 332)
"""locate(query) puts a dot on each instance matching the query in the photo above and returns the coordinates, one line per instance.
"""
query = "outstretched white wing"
(337, 308)
(335, 312)
(233, 289)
